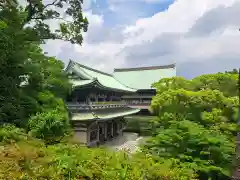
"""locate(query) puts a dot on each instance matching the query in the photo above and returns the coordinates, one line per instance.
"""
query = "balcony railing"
(94, 106)
(108, 102)
(140, 104)
(105, 105)
(138, 97)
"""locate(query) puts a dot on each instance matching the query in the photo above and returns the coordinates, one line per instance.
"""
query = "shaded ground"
(129, 142)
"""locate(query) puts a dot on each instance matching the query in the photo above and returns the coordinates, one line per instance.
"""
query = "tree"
(45, 74)
(25, 72)
(207, 152)
(234, 71)
(171, 83)
(13, 55)
(36, 15)
(227, 83)
(196, 125)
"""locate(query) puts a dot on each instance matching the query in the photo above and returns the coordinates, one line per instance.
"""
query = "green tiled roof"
(144, 77)
(91, 75)
(103, 116)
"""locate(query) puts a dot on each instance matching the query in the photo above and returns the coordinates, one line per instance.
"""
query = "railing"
(138, 96)
(139, 104)
(94, 106)
(109, 102)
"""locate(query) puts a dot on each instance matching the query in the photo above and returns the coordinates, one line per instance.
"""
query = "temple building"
(142, 79)
(99, 101)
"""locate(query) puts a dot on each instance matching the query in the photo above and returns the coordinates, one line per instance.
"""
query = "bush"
(207, 152)
(33, 160)
(9, 133)
(51, 126)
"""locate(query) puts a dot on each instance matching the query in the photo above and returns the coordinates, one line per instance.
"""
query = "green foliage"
(9, 133)
(49, 101)
(13, 54)
(171, 83)
(45, 74)
(140, 124)
(66, 13)
(26, 73)
(207, 107)
(3, 25)
(234, 71)
(196, 123)
(227, 83)
(201, 149)
(33, 160)
(51, 126)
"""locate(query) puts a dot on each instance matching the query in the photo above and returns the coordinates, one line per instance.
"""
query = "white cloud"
(169, 36)
(206, 47)
(180, 17)
(55, 47)
(95, 20)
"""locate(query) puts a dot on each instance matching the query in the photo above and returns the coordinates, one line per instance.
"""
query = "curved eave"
(134, 111)
(90, 117)
(96, 83)
(83, 84)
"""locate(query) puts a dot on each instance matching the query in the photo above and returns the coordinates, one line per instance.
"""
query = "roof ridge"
(69, 65)
(91, 69)
(82, 72)
(146, 68)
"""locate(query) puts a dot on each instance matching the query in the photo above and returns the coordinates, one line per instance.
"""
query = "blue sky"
(126, 13)
(201, 36)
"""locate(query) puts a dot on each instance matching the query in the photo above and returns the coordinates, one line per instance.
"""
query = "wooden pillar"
(88, 100)
(112, 128)
(117, 127)
(122, 125)
(96, 98)
(110, 97)
(88, 136)
(105, 131)
(98, 131)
